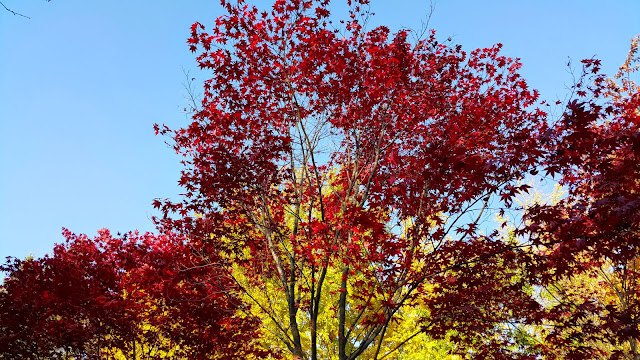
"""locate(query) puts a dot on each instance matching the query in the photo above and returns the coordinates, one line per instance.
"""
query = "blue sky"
(82, 82)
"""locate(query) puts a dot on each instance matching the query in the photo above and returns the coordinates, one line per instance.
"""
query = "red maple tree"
(355, 169)
(595, 147)
(140, 296)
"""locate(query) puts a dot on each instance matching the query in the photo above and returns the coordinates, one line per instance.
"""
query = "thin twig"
(13, 12)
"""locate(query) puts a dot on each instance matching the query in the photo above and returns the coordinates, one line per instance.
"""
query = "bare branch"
(13, 12)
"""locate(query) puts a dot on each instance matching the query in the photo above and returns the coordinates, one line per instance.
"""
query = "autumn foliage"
(341, 185)
(595, 228)
(320, 151)
(130, 297)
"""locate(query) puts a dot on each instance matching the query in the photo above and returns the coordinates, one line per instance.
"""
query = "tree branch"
(13, 12)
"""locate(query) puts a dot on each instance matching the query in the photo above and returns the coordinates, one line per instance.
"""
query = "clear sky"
(82, 82)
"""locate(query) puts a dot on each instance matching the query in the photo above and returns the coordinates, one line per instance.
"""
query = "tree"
(592, 235)
(337, 170)
(68, 303)
(135, 297)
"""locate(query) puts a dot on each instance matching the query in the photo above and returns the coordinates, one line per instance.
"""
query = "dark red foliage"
(483, 299)
(97, 295)
(596, 151)
(67, 302)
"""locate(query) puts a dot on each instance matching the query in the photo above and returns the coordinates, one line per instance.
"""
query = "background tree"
(68, 304)
(135, 297)
(592, 235)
